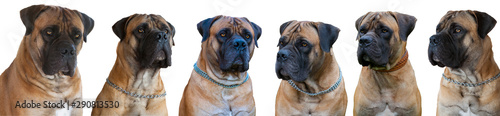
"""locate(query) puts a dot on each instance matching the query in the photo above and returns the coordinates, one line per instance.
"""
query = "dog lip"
(161, 55)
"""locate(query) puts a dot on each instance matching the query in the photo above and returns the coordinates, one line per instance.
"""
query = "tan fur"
(480, 66)
(24, 78)
(126, 74)
(202, 97)
(396, 90)
(292, 102)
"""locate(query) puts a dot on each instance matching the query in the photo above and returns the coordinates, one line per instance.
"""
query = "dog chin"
(60, 74)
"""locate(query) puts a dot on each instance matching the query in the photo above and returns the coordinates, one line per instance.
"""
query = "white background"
(99, 53)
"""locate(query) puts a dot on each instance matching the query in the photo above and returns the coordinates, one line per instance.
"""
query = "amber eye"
(384, 30)
(223, 34)
(281, 43)
(141, 30)
(457, 30)
(362, 31)
(247, 36)
(304, 44)
(166, 31)
(49, 32)
(77, 35)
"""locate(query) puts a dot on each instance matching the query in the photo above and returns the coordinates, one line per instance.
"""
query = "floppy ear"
(29, 14)
(406, 23)
(284, 25)
(485, 22)
(358, 21)
(88, 24)
(172, 30)
(257, 32)
(204, 27)
(119, 27)
(328, 34)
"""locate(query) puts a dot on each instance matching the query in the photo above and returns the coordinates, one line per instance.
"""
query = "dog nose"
(283, 55)
(433, 40)
(67, 50)
(365, 41)
(161, 36)
(239, 44)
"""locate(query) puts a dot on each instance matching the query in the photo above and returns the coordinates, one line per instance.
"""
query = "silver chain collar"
(333, 87)
(205, 75)
(472, 84)
(134, 94)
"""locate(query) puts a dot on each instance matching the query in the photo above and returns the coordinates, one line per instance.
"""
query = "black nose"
(67, 50)
(283, 55)
(239, 44)
(365, 41)
(433, 40)
(162, 37)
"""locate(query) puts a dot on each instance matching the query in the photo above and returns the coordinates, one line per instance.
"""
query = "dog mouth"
(161, 55)
(436, 60)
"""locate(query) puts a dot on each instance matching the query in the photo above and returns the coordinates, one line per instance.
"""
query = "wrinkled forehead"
(58, 16)
(461, 18)
(233, 23)
(374, 19)
(297, 29)
(150, 21)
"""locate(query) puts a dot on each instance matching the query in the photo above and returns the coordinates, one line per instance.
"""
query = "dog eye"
(247, 36)
(223, 34)
(77, 36)
(166, 31)
(385, 30)
(281, 43)
(141, 30)
(458, 30)
(304, 44)
(49, 32)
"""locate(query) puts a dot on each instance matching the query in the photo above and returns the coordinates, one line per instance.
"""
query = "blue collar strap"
(205, 75)
(333, 87)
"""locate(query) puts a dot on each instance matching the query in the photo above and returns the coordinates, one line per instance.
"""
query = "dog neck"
(211, 67)
(387, 80)
(142, 81)
(475, 70)
(323, 78)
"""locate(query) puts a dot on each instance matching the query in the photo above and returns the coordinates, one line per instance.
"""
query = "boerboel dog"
(219, 83)
(387, 84)
(134, 82)
(311, 80)
(468, 85)
(43, 79)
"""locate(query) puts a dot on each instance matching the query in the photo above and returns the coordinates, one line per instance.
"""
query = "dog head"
(147, 39)
(229, 41)
(382, 38)
(55, 36)
(303, 47)
(460, 37)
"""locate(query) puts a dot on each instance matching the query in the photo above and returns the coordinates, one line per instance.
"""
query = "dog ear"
(119, 27)
(29, 14)
(172, 30)
(328, 34)
(406, 24)
(88, 24)
(204, 27)
(358, 21)
(257, 32)
(485, 22)
(284, 25)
